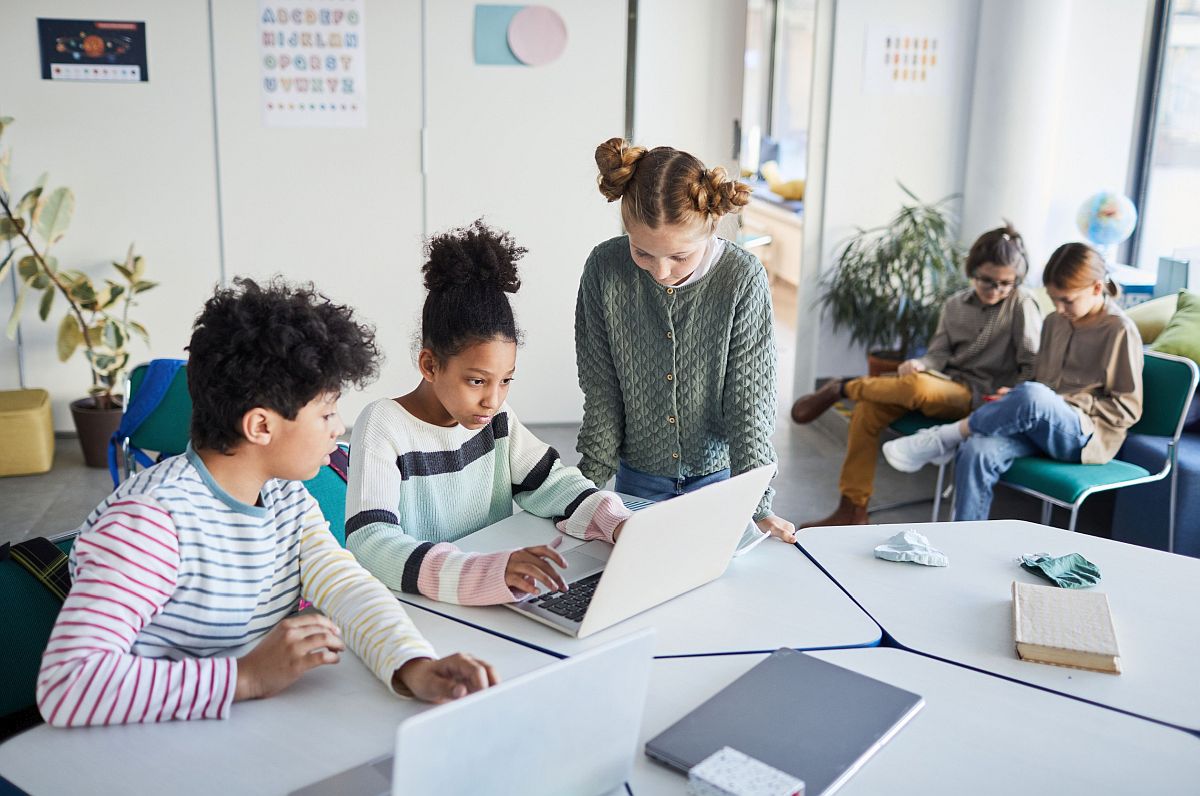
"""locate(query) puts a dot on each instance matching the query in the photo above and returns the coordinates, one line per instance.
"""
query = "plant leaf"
(40, 281)
(14, 320)
(143, 286)
(56, 216)
(28, 267)
(5, 160)
(82, 291)
(125, 272)
(140, 330)
(29, 201)
(69, 337)
(139, 265)
(114, 336)
(8, 228)
(47, 301)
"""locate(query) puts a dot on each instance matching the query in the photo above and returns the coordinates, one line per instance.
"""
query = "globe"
(1107, 218)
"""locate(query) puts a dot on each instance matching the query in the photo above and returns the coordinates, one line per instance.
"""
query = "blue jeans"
(661, 487)
(1031, 420)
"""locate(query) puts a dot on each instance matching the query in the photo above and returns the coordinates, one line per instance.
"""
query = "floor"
(809, 460)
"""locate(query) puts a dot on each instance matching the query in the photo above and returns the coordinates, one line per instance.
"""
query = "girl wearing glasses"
(1086, 392)
(986, 342)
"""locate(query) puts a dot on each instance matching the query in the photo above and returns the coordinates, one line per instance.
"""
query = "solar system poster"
(104, 52)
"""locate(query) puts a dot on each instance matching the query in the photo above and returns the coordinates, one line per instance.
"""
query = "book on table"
(1064, 627)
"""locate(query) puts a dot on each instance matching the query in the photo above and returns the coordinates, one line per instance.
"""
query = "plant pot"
(95, 427)
(881, 362)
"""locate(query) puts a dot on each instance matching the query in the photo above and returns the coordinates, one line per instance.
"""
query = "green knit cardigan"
(677, 381)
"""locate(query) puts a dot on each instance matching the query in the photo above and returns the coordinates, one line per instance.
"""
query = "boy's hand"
(293, 646)
(444, 679)
(617, 531)
(531, 565)
(779, 528)
(910, 366)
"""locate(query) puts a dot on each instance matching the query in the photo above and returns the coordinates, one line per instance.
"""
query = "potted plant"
(890, 282)
(97, 317)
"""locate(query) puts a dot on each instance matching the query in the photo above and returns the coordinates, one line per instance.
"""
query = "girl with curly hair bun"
(451, 457)
(673, 335)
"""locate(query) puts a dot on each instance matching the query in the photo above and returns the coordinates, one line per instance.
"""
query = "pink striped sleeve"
(596, 518)
(452, 576)
(125, 569)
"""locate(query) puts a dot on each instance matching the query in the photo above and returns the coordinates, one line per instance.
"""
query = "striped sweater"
(415, 487)
(171, 574)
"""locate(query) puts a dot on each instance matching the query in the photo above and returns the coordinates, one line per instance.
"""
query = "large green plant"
(890, 282)
(97, 318)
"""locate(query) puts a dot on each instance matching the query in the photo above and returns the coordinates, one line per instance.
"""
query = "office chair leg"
(1074, 516)
(937, 493)
(1046, 509)
(1171, 502)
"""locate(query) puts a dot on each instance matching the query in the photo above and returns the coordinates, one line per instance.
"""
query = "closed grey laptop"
(696, 533)
(806, 717)
(569, 727)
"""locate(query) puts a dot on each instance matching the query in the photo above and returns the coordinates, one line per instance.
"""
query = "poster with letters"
(906, 61)
(313, 62)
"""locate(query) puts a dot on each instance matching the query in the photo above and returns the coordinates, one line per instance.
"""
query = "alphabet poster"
(314, 63)
(912, 61)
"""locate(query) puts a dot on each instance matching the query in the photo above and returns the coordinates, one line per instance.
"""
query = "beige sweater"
(1096, 366)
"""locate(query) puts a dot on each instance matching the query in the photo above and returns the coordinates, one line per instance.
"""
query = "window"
(777, 84)
(1170, 178)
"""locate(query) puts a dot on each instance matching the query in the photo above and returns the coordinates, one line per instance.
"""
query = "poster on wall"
(92, 51)
(906, 61)
(314, 63)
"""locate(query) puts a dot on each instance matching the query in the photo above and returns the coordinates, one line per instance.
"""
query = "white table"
(770, 597)
(963, 613)
(332, 719)
(976, 733)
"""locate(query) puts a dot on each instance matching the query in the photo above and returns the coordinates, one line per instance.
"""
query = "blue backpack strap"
(339, 462)
(150, 393)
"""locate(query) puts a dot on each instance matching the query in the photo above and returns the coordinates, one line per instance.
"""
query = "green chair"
(328, 488)
(1168, 383)
(29, 611)
(911, 423)
(165, 430)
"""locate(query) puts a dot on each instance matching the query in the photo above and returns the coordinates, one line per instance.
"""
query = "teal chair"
(328, 488)
(1168, 383)
(911, 423)
(166, 430)
(29, 611)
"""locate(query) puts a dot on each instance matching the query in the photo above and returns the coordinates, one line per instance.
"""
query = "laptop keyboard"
(573, 603)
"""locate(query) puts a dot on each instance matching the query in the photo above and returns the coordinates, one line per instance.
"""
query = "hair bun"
(714, 194)
(617, 160)
(474, 255)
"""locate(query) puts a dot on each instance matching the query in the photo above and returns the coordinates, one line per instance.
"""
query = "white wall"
(342, 207)
(871, 141)
(140, 160)
(690, 59)
(338, 206)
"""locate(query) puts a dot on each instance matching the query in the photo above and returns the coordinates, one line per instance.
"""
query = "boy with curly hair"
(206, 552)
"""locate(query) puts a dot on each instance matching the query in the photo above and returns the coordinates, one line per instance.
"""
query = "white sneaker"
(911, 453)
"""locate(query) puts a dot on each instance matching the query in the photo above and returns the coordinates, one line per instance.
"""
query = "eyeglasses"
(991, 284)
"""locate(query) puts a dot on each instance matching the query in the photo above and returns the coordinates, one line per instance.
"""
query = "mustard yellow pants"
(880, 400)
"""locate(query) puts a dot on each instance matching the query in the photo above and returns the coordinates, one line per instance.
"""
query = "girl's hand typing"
(779, 528)
(532, 565)
(910, 366)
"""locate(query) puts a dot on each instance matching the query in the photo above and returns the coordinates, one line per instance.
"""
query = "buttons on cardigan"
(670, 335)
(674, 455)
(671, 419)
(670, 291)
(670, 377)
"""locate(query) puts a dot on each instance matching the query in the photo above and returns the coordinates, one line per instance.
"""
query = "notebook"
(1064, 627)
(814, 720)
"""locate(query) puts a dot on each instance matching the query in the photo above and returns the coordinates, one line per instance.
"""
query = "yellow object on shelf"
(26, 432)
(790, 189)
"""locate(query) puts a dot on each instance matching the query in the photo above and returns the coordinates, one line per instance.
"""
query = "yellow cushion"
(1153, 316)
(26, 432)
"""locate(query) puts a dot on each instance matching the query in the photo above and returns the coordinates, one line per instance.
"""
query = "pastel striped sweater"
(171, 574)
(415, 487)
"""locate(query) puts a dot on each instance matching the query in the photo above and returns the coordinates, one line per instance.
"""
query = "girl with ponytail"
(674, 336)
(451, 457)
(1086, 392)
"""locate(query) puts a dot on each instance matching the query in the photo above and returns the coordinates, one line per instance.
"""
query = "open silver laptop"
(664, 550)
(510, 738)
